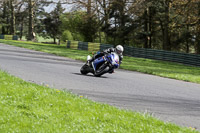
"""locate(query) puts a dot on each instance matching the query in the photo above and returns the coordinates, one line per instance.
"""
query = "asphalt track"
(167, 99)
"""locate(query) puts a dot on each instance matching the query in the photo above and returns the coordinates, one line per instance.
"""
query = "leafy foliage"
(66, 35)
(161, 24)
(80, 25)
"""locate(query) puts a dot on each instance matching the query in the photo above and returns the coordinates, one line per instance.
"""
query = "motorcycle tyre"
(84, 70)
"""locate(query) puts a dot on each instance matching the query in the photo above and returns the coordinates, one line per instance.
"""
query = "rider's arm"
(109, 50)
(120, 59)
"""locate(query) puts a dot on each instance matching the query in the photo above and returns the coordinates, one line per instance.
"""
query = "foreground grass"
(159, 68)
(27, 107)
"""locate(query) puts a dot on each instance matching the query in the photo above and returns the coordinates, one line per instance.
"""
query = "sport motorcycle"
(101, 65)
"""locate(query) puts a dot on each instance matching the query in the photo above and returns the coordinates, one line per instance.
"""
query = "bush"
(78, 37)
(66, 35)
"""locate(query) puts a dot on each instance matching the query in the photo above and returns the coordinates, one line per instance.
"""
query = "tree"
(20, 16)
(89, 25)
(4, 17)
(88, 28)
(122, 21)
(72, 21)
(103, 8)
(9, 8)
(53, 23)
(7, 22)
(80, 25)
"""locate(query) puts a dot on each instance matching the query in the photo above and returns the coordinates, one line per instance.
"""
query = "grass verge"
(27, 107)
(155, 67)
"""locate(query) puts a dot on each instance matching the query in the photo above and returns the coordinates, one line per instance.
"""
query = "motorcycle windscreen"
(95, 63)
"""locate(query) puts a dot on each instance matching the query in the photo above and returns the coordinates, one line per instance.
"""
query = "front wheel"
(84, 69)
(102, 70)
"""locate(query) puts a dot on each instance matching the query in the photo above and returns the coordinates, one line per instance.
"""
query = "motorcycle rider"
(118, 49)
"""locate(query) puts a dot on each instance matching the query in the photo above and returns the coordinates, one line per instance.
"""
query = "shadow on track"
(88, 75)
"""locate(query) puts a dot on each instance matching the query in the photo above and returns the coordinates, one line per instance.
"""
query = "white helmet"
(119, 49)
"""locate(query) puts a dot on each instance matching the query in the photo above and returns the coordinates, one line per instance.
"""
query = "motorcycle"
(101, 65)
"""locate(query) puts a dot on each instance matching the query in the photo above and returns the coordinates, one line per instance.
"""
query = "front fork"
(111, 68)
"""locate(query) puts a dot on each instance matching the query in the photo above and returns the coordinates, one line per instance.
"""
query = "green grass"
(41, 39)
(159, 68)
(163, 69)
(27, 107)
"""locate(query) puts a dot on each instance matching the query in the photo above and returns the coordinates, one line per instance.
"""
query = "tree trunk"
(31, 19)
(99, 31)
(89, 8)
(12, 22)
(7, 20)
(106, 19)
(187, 42)
(147, 28)
(150, 28)
(54, 40)
(21, 28)
(115, 31)
(162, 29)
(122, 22)
(166, 41)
